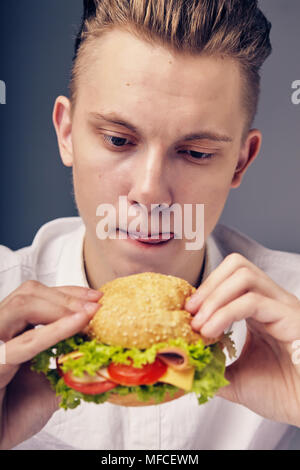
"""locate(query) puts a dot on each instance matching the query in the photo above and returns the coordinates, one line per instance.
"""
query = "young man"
(163, 96)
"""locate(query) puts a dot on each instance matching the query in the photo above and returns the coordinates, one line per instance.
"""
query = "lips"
(159, 238)
(147, 238)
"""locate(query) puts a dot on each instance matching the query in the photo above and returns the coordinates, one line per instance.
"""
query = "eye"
(198, 155)
(116, 141)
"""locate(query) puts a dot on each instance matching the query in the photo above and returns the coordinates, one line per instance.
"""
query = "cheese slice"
(182, 379)
(71, 355)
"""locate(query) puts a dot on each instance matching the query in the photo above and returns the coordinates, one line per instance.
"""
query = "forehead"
(121, 69)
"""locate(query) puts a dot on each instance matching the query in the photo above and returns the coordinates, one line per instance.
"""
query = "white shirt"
(55, 258)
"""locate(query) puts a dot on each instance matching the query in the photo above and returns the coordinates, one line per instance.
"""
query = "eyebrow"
(202, 135)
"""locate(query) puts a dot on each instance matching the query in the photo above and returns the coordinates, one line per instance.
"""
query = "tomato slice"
(129, 375)
(88, 384)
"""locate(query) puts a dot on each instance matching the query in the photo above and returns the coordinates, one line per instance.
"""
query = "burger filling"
(167, 368)
(91, 371)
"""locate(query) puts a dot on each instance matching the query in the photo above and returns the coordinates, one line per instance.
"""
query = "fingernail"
(76, 316)
(198, 320)
(94, 294)
(208, 331)
(195, 325)
(91, 307)
(192, 303)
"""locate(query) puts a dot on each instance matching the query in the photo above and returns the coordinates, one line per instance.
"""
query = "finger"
(24, 347)
(239, 283)
(65, 295)
(80, 292)
(276, 318)
(72, 297)
(76, 298)
(229, 266)
(223, 271)
(24, 310)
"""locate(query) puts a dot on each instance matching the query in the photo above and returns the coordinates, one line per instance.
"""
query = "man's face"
(165, 97)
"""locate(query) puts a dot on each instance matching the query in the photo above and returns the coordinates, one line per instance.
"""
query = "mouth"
(149, 239)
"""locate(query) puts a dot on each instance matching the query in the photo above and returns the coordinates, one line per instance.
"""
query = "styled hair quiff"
(229, 28)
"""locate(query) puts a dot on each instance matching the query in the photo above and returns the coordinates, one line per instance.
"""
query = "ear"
(62, 121)
(248, 152)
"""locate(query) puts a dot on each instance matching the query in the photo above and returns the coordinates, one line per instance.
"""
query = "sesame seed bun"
(143, 309)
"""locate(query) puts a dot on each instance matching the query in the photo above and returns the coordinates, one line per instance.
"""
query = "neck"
(101, 266)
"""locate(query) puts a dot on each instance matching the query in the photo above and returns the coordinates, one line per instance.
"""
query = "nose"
(151, 180)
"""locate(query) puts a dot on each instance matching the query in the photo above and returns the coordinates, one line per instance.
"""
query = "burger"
(139, 348)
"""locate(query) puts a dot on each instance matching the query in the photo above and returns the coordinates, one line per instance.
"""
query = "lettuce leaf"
(209, 363)
(41, 362)
(208, 381)
(96, 355)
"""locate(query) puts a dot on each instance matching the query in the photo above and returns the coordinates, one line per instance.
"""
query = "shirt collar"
(71, 271)
(213, 256)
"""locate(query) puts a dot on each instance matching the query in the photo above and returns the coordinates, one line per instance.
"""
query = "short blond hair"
(228, 28)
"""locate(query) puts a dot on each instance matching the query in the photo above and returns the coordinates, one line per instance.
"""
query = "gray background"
(36, 47)
(266, 206)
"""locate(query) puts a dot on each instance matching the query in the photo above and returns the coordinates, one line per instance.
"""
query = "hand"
(26, 399)
(264, 378)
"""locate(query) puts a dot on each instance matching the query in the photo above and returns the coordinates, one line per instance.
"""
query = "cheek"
(210, 184)
(91, 185)
(85, 191)
(212, 189)
(215, 202)
(96, 182)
